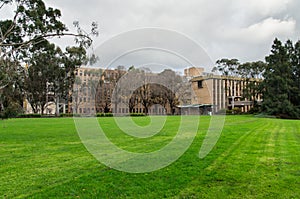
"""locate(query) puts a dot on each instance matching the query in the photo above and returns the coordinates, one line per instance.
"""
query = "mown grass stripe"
(254, 158)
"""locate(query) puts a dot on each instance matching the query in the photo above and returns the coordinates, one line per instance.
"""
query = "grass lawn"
(254, 158)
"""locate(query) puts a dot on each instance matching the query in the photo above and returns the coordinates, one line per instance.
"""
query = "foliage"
(24, 35)
(250, 72)
(236, 111)
(104, 115)
(105, 89)
(33, 22)
(254, 110)
(51, 74)
(277, 80)
(281, 81)
(69, 115)
(12, 92)
(31, 115)
(168, 90)
(11, 110)
(227, 67)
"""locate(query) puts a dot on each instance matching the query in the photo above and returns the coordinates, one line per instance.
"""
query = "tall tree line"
(281, 84)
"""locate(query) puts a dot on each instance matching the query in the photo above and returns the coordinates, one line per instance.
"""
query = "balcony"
(241, 103)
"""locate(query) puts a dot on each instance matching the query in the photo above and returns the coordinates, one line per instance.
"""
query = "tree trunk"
(57, 106)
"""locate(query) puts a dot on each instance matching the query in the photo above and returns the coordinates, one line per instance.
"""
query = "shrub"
(12, 110)
(236, 111)
(100, 114)
(104, 115)
(31, 115)
(229, 112)
(137, 114)
(254, 110)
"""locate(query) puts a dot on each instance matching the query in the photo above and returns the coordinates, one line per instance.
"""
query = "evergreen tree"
(278, 81)
(296, 77)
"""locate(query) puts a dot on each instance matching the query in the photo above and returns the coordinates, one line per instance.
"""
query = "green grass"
(254, 158)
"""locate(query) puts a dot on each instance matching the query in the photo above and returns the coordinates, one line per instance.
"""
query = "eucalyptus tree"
(51, 74)
(32, 23)
(252, 74)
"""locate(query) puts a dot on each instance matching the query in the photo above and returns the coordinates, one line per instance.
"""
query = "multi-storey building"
(101, 93)
(93, 93)
(221, 92)
(84, 90)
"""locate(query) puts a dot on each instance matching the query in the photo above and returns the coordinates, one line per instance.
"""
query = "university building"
(94, 92)
(84, 90)
(221, 92)
(209, 93)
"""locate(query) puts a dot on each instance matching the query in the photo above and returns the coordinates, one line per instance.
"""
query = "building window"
(200, 84)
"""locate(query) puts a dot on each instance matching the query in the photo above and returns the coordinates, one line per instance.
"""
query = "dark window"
(200, 84)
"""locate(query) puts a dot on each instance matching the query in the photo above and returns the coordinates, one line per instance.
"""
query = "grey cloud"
(225, 28)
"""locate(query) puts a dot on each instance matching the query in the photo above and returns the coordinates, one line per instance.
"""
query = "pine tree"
(278, 81)
(296, 77)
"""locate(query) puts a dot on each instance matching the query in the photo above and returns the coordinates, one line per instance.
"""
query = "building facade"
(121, 92)
(84, 90)
(199, 92)
(222, 92)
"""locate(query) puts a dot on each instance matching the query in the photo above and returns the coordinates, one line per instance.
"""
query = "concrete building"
(222, 92)
(84, 90)
(94, 93)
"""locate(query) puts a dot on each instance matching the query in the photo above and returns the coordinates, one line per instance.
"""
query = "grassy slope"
(254, 158)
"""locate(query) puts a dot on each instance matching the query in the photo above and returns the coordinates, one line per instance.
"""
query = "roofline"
(223, 77)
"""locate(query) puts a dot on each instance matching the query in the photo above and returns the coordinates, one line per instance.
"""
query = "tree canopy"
(277, 79)
(281, 88)
(24, 39)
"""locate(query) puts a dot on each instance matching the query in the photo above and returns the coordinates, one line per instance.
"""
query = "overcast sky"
(224, 28)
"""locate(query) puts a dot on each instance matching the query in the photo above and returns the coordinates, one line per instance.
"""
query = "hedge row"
(137, 114)
(35, 115)
(104, 115)
(31, 115)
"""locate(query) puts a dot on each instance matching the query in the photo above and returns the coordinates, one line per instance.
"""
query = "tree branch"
(4, 2)
(40, 39)
(45, 36)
